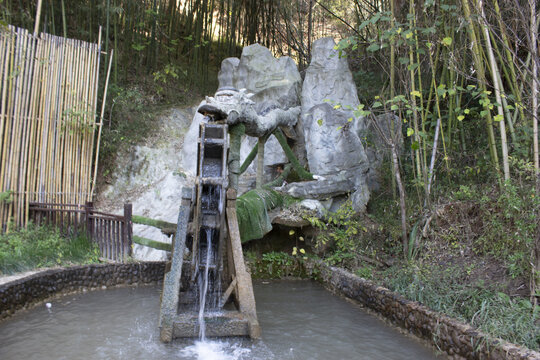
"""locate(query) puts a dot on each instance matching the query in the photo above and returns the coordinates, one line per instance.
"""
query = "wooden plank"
(244, 290)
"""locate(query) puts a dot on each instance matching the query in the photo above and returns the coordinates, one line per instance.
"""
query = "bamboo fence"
(48, 96)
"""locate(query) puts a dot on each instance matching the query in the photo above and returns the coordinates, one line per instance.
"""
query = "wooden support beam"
(228, 292)
(245, 295)
(152, 243)
(166, 227)
(171, 283)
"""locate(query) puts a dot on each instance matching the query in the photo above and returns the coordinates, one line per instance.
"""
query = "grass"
(37, 247)
(512, 319)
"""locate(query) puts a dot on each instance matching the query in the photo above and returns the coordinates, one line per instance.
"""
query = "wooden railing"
(112, 233)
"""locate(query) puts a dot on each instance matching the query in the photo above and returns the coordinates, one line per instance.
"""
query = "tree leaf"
(373, 47)
(410, 131)
(447, 41)
(403, 60)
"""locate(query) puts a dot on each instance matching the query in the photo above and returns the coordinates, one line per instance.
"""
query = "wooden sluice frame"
(242, 322)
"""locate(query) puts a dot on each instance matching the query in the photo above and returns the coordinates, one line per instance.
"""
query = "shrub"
(42, 247)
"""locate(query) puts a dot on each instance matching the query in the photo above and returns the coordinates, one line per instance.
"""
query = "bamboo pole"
(534, 85)
(497, 86)
(15, 145)
(38, 16)
(478, 63)
(29, 59)
(33, 120)
(101, 121)
(5, 42)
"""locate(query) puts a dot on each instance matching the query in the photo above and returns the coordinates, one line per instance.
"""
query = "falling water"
(203, 285)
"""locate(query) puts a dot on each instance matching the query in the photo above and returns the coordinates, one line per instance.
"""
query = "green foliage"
(275, 265)
(252, 209)
(511, 227)
(365, 272)
(342, 228)
(442, 289)
(5, 197)
(36, 247)
(343, 237)
(169, 73)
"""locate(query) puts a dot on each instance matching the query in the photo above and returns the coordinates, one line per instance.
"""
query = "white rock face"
(151, 178)
(190, 148)
(331, 134)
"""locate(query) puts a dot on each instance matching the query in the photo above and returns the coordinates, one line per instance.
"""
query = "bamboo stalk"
(478, 63)
(38, 16)
(26, 127)
(101, 121)
(34, 124)
(534, 88)
(4, 56)
(497, 86)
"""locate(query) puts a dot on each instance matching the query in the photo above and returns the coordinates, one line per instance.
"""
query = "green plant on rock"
(341, 228)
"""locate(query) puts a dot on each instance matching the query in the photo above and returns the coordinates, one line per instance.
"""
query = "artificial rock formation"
(331, 130)
(274, 83)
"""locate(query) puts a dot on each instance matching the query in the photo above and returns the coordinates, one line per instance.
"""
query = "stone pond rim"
(455, 337)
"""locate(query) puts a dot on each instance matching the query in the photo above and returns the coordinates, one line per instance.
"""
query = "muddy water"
(299, 319)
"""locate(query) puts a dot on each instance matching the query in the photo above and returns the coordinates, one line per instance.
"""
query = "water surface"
(299, 319)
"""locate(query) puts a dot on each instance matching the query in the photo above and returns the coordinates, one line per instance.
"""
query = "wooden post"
(88, 208)
(128, 229)
(244, 286)
(260, 162)
(101, 123)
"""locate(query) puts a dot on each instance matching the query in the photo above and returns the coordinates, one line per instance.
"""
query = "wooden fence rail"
(112, 233)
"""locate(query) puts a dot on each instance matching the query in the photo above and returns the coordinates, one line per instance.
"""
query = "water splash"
(216, 350)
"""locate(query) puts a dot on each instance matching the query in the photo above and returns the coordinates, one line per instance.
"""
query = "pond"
(299, 320)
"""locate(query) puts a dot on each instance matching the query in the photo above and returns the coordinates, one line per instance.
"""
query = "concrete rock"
(331, 145)
(275, 82)
(331, 134)
(226, 73)
(328, 78)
